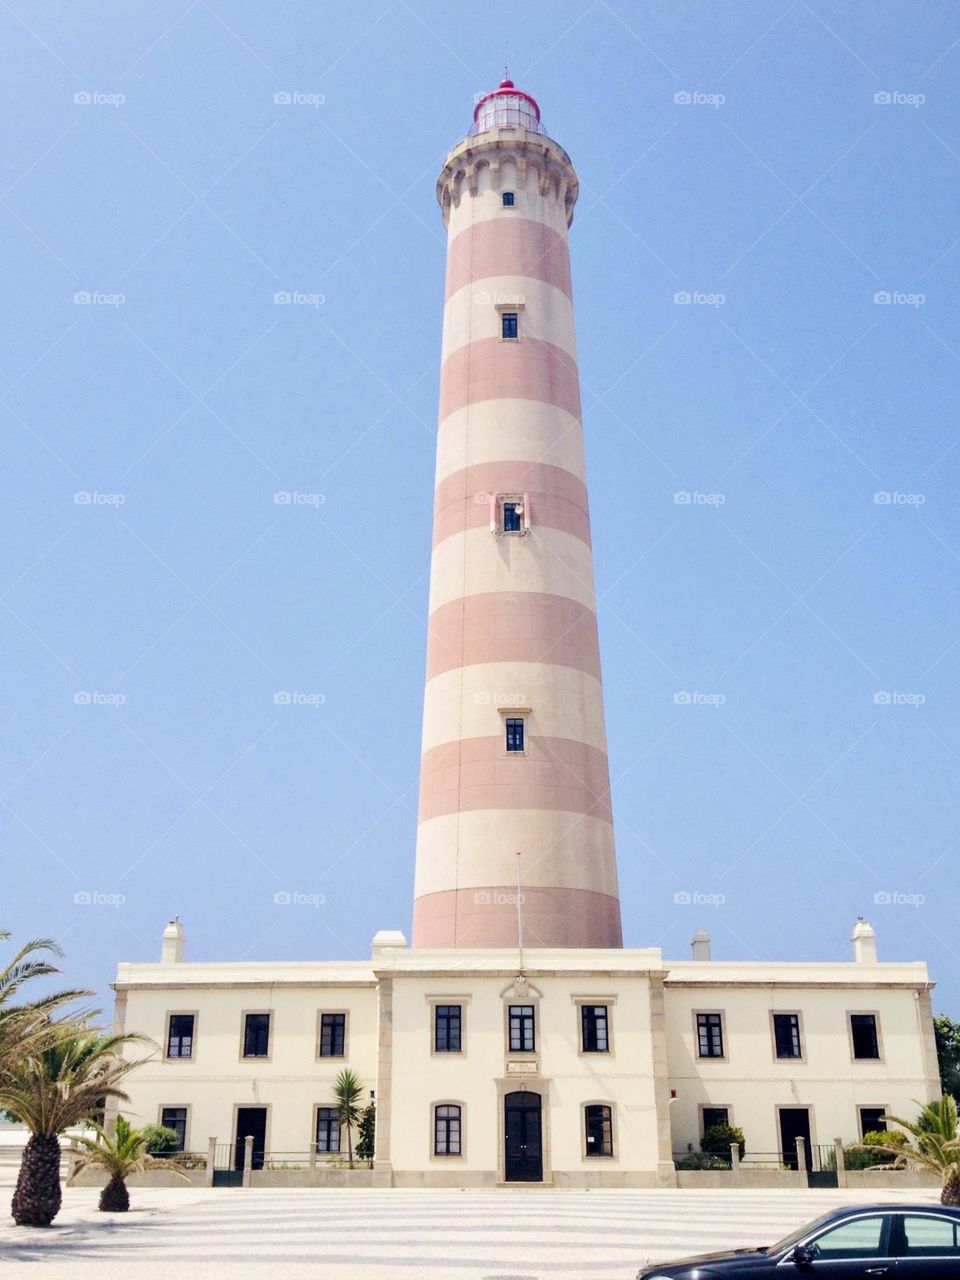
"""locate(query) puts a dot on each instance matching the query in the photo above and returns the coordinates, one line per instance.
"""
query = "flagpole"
(519, 911)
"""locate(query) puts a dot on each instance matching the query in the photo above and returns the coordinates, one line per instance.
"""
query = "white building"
(569, 1059)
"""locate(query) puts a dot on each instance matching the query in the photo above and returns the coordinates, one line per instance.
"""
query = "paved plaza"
(364, 1234)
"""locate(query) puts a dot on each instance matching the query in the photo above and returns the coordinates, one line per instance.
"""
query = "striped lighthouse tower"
(514, 744)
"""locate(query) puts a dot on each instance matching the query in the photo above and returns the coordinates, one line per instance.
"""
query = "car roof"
(851, 1210)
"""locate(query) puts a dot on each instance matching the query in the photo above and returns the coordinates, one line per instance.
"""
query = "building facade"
(516, 1040)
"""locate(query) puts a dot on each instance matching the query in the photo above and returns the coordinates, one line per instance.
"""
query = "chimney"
(700, 945)
(386, 944)
(864, 941)
(172, 950)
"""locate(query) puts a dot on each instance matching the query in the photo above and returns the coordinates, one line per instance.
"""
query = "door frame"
(520, 1084)
(811, 1141)
(252, 1106)
(526, 1110)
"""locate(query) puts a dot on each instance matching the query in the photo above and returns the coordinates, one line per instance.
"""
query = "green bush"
(702, 1160)
(160, 1140)
(719, 1138)
(877, 1148)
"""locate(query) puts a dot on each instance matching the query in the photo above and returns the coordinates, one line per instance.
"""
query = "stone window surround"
(725, 1056)
(462, 1000)
(448, 1102)
(579, 1002)
(178, 1106)
(268, 1056)
(330, 1057)
(613, 1157)
(798, 1014)
(177, 1013)
(875, 1014)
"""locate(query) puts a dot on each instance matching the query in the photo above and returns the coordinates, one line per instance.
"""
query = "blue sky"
(780, 651)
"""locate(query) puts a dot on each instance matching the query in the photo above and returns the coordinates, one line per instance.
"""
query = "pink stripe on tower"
(511, 600)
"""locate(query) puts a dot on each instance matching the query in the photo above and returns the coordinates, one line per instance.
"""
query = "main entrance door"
(794, 1124)
(251, 1122)
(523, 1138)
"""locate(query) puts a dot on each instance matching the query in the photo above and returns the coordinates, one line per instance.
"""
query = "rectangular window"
(930, 1236)
(710, 1035)
(508, 200)
(175, 1118)
(594, 1028)
(509, 324)
(872, 1120)
(180, 1036)
(328, 1130)
(514, 733)
(863, 1031)
(446, 1130)
(786, 1035)
(599, 1127)
(447, 1023)
(522, 1032)
(512, 517)
(333, 1028)
(256, 1035)
(710, 1117)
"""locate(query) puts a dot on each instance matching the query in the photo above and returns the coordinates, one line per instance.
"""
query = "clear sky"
(780, 652)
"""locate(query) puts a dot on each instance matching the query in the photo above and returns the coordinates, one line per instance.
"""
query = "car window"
(857, 1239)
(929, 1236)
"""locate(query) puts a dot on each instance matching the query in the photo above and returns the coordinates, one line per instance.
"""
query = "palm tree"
(63, 1081)
(347, 1091)
(23, 1026)
(936, 1145)
(121, 1153)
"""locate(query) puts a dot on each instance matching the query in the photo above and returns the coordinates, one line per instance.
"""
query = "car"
(899, 1241)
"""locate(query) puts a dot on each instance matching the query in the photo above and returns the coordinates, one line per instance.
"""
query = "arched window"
(447, 1129)
(598, 1125)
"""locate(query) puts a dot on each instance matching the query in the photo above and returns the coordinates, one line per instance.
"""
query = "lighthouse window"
(508, 199)
(522, 1034)
(509, 324)
(512, 517)
(514, 733)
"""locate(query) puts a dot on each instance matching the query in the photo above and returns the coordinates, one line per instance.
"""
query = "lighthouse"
(515, 837)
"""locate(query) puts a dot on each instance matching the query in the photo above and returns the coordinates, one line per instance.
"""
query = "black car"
(899, 1241)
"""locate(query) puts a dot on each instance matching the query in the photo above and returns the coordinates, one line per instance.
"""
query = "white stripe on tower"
(513, 629)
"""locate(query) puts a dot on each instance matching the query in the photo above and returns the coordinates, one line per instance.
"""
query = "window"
(256, 1035)
(180, 1036)
(854, 1240)
(513, 517)
(928, 1236)
(515, 733)
(509, 324)
(447, 1020)
(786, 1035)
(332, 1034)
(599, 1130)
(446, 1130)
(175, 1118)
(863, 1031)
(710, 1035)
(594, 1028)
(872, 1120)
(522, 1034)
(328, 1130)
(507, 200)
(710, 1117)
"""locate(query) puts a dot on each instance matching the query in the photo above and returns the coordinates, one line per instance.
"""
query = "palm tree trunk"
(951, 1190)
(114, 1198)
(37, 1198)
(350, 1144)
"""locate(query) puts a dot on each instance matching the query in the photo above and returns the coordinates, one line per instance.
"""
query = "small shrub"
(702, 1160)
(719, 1138)
(160, 1141)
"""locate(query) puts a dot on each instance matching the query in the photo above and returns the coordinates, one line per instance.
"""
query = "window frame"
(330, 1151)
(878, 1035)
(511, 721)
(180, 1013)
(861, 1108)
(435, 1117)
(583, 1006)
(602, 1154)
(508, 203)
(532, 1006)
(333, 1013)
(723, 1056)
(256, 1057)
(177, 1106)
(509, 319)
(435, 1017)
(886, 1225)
(801, 1039)
(901, 1233)
(703, 1107)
